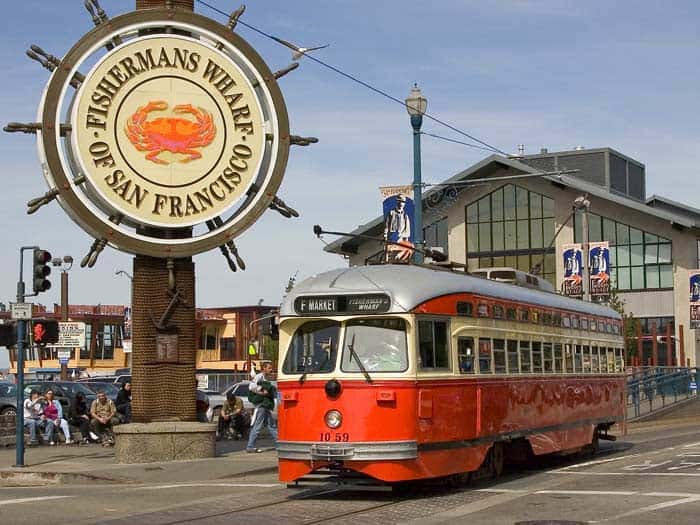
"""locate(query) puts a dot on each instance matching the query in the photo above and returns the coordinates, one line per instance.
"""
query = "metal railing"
(652, 388)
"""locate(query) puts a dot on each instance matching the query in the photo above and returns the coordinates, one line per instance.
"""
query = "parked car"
(111, 390)
(8, 399)
(240, 389)
(64, 391)
(214, 402)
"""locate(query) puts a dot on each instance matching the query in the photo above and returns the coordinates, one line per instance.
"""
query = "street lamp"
(416, 104)
(65, 263)
(582, 204)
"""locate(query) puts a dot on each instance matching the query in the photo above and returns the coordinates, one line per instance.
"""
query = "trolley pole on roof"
(583, 205)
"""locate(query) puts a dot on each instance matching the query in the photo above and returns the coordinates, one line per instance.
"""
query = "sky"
(554, 74)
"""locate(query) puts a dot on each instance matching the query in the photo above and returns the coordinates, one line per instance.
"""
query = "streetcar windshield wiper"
(302, 378)
(351, 347)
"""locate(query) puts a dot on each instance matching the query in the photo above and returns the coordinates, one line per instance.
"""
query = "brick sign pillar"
(164, 383)
(164, 386)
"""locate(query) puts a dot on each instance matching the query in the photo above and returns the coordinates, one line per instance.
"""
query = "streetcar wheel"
(496, 460)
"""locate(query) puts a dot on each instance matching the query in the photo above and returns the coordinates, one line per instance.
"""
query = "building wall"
(642, 303)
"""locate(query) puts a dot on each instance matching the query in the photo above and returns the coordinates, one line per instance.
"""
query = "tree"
(629, 325)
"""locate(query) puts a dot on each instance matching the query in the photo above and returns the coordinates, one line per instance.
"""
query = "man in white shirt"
(33, 415)
(265, 404)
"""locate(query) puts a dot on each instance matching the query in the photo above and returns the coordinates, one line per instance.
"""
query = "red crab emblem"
(177, 135)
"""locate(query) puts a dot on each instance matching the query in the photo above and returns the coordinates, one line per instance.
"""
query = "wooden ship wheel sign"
(159, 122)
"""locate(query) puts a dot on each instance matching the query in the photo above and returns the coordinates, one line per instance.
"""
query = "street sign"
(70, 335)
(126, 346)
(64, 354)
(21, 310)
(63, 360)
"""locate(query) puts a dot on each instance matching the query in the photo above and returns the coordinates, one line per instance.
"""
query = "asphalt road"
(650, 476)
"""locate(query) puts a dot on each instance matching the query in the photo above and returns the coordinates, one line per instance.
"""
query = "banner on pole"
(599, 263)
(398, 222)
(573, 270)
(694, 299)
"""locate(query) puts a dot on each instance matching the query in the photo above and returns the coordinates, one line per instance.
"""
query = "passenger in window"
(322, 355)
(466, 360)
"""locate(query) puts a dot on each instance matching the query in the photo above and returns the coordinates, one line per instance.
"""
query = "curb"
(21, 478)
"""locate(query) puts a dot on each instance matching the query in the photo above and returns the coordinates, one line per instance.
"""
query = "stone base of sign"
(164, 441)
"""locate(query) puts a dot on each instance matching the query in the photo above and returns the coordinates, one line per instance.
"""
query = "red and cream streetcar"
(405, 372)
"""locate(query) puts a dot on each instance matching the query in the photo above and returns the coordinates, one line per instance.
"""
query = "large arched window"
(512, 226)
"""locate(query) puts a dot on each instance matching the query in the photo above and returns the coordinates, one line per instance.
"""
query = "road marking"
(679, 474)
(502, 491)
(658, 506)
(690, 445)
(587, 492)
(186, 485)
(597, 462)
(30, 500)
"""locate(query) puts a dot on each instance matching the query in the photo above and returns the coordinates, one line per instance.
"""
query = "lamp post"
(416, 104)
(127, 324)
(583, 205)
(65, 263)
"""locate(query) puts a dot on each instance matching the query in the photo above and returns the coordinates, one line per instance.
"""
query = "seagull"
(298, 51)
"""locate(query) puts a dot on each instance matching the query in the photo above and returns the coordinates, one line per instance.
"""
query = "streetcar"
(404, 372)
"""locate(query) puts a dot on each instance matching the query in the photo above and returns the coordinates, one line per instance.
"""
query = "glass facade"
(512, 226)
(639, 260)
(435, 235)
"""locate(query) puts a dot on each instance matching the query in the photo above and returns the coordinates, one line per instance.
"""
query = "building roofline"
(666, 200)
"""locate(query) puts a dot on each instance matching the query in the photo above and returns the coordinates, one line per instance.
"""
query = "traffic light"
(41, 270)
(8, 334)
(44, 331)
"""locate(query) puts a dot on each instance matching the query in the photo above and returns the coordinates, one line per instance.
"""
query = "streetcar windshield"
(379, 344)
(313, 349)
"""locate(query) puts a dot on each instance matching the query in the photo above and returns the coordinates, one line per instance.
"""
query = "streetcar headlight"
(333, 418)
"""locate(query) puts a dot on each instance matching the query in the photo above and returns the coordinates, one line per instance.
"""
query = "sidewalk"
(89, 464)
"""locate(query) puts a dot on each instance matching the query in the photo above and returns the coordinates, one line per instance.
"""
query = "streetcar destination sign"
(342, 304)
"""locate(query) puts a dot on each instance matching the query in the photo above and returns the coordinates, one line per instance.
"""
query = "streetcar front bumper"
(365, 451)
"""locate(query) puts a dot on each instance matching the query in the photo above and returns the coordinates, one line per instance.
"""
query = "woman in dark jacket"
(80, 416)
(124, 403)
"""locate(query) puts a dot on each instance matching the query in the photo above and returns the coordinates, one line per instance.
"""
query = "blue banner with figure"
(599, 263)
(694, 299)
(573, 270)
(398, 222)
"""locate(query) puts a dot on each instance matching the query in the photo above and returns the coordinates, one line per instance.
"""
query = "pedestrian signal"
(44, 331)
(8, 334)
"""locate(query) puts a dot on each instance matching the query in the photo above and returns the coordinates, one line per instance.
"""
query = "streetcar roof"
(409, 285)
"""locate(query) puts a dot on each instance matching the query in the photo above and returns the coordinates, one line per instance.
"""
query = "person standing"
(103, 416)
(262, 394)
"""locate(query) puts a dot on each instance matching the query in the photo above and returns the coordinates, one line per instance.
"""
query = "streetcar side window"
(432, 344)
(465, 355)
(586, 359)
(513, 357)
(578, 359)
(313, 348)
(525, 357)
(547, 358)
(379, 344)
(558, 364)
(499, 356)
(595, 364)
(536, 357)
(619, 360)
(568, 359)
(485, 355)
(603, 360)
(611, 360)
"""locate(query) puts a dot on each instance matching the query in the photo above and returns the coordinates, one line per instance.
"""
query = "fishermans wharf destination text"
(127, 71)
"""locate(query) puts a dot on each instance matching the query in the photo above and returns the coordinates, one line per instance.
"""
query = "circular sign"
(177, 139)
(168, 131)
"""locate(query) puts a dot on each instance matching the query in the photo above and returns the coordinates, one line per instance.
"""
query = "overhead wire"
(486, 145)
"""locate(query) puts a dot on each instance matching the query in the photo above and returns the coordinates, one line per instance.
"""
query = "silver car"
(240, 389)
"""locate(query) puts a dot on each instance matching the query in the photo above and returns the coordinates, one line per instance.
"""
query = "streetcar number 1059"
(336, 437)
